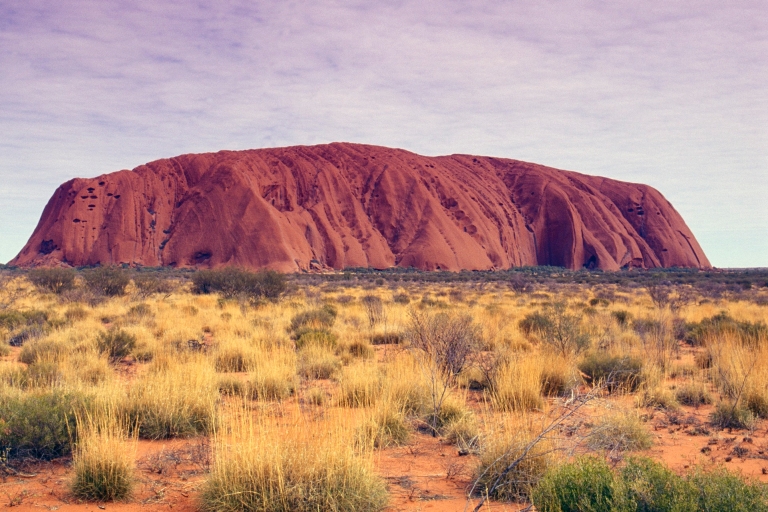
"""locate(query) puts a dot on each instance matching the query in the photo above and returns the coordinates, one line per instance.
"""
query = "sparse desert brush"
(173, 400)
(517, 385)
(308, 466)
(103, 458)
(317, 362)
(619, 431)
(274, 377)
(359, 385)
(504, 443)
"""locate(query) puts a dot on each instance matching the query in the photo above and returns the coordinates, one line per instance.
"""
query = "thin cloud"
(668, 93)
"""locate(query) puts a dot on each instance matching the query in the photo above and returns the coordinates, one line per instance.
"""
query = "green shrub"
(643, 485)
(650, 486)
(231, 282)
(39, 424)
(616, 372)
(116, 344)
(584, 485)
(721, 491)
(12, 319)
(401, 298)
(55, 280)
(110, 281)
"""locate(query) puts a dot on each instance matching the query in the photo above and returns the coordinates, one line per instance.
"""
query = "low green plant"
(585, 485)
(42, 350)
(39, 424)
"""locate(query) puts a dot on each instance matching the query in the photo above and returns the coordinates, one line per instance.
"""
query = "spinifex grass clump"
(260, 465)
(102, 460)
(173, 399)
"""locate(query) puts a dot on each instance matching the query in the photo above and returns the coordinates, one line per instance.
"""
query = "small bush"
(54, 280)
(616, 372)
(109, 281)
(232, 385)
(730, 415)
(657, 398)
(757, 402)
(115, 344)
(231, 282)
(38, 424)
(723, 323)
(719, 490)
(75, 314)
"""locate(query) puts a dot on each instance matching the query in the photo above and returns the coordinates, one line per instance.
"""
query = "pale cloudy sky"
(669, 93)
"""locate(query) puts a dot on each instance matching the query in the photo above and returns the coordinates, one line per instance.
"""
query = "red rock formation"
(349, 205)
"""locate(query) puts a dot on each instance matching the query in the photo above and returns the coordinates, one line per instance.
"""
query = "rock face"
(349, 205)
